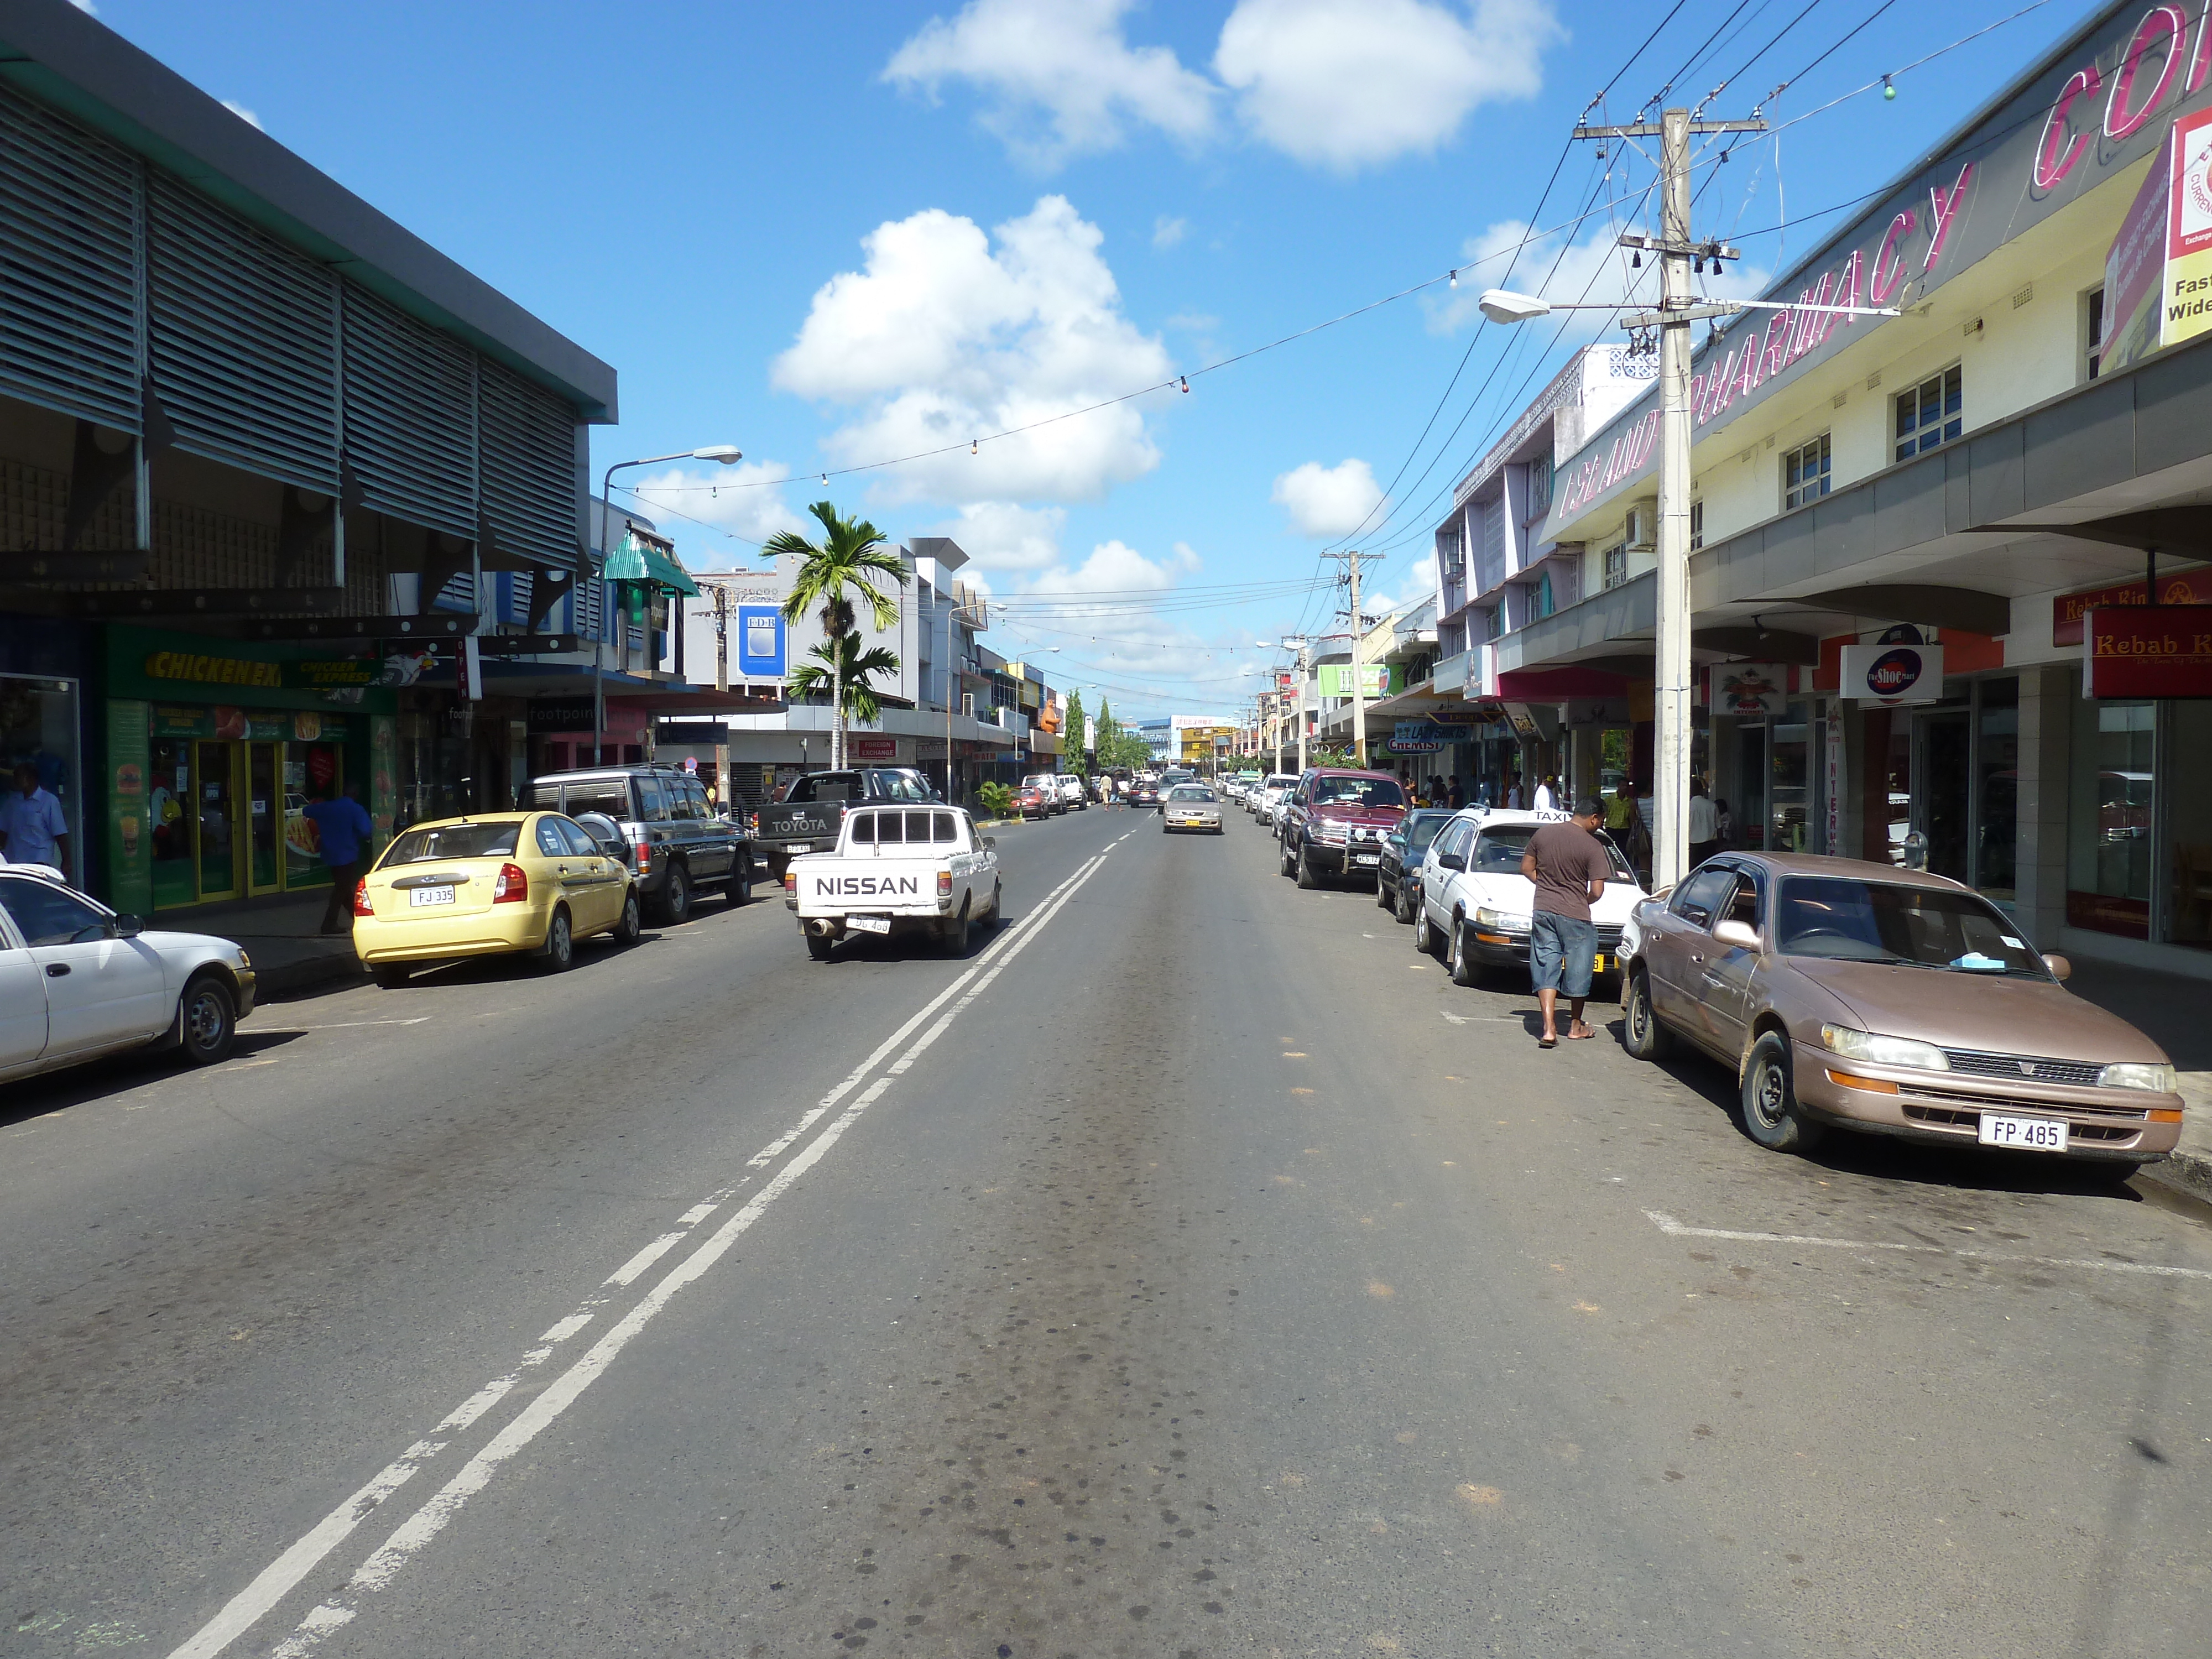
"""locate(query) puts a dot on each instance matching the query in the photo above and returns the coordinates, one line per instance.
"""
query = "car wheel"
(1424, 935)
(1305, 871)
(392, 976)
(992, 912)
(1285, 865)
(1771, 1113)
(1403, 910)
(741, 881)
(207, 1021)
(775, 868)
(820, 947)
(1646, 1039)
(958, 933)
(560, 941)
(1381, 892)
(675, 905)
(632, 923)
(1463, 971)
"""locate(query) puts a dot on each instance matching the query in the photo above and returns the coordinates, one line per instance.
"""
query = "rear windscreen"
(608, 795)
(454, 841)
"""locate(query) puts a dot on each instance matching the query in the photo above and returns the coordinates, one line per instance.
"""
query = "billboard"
(2148, 651)
(762, 643)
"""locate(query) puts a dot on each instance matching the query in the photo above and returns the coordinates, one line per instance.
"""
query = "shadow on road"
(77, 1085)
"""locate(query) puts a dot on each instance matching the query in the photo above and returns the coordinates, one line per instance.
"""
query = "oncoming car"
(1190, 806)
(1475, 902)
(1859, 996)
(500, 884)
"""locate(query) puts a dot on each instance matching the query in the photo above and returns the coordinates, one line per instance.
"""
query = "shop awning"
(635, 560)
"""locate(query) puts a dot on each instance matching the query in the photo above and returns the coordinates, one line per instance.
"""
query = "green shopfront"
(213, 749)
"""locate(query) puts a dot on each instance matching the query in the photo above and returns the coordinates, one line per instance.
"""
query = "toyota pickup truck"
(896, 869)
(809, 818)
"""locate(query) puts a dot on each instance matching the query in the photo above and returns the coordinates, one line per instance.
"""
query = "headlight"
(1332, 832)
(1883, 1050)
(2134, 1074)
(1500, 921)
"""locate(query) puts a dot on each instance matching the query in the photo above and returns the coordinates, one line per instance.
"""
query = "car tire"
(1463, 970)
(1381, 892)
(958, 933)
(1285, 865)
(1772, 1116)
(675, 901)
(560, 941)
(1305, 875)
(820, 947)
(392, 975)
(1401, 908)
(207, 1021)
(740, 889)
(992, 914)
(632, 923)
(1424, 932)
(1644, 1038)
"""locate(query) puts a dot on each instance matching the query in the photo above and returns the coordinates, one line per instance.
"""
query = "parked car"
(1269, 795)
(1190, 806)
(1072, 794)
(1398, 872)
(77, 982)
(503, 884)
(1334, 822)
(1047, 784)
(1032, 801)
(1854, 995)
(897, 870)
(1476, 903)
(673, 843)
(809, 817)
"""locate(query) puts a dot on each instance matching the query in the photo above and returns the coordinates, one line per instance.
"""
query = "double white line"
(282, 1575)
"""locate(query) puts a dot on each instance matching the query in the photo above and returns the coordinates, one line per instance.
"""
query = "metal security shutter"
(244, 342)
(409, 416)
(69, 268)
(527, 467)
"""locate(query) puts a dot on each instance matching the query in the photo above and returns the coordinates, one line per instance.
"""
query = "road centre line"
(282, 1575)
(1667, 1224)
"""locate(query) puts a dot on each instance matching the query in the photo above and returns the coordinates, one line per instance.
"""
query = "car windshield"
(1358, 791)
(454, 841)
(1190, 791)
(1853, 921)
(1421, 830)
(1281, 780)
(1497, 851)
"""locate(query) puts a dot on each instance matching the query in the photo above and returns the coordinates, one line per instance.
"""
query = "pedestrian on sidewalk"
(1548, 793)
(1457, 798)
(1568, 864)
(1704, 826)
(341, 827)
(33, 826)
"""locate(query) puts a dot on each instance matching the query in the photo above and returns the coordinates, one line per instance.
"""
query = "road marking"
(282, 1575)
(343, 1025)
(1667, 1224)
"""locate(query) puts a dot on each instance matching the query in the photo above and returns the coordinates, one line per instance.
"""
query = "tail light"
(644, 857)
(945, 884)
(791, 884)
(361, 906)
(512, 887)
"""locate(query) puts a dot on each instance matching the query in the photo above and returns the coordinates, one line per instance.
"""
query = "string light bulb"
(1888, 90)
(975, 446)
(1184, 381)
(1455, 279)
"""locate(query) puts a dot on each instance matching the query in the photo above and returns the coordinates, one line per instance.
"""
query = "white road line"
(337, 1025)
(1667, 1224)
(419, 1529)
(283, 1574)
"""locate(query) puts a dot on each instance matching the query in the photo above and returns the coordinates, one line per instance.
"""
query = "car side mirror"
(1737, 936)
(1451, 861)
(2060, 967)
(990, 841)
(126, 928)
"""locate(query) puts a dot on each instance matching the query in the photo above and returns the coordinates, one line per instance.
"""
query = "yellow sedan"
(503, 882)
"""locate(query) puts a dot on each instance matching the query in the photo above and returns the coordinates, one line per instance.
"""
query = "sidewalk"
(2171, 1011)
(282, 937)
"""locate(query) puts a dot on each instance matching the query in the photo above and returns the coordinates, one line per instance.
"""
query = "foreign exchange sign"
(2148, 651)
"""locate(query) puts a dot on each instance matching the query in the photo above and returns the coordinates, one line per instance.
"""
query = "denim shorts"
(1561, 953)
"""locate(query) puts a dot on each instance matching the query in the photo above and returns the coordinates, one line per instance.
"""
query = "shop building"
(1948, 572)
(271, 468)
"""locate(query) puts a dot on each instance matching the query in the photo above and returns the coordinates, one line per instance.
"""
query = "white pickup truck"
(896, 869)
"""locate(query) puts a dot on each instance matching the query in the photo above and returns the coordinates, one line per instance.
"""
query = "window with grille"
(1805, 473)
(2093, 305)
(1697, 524)
(1540, 486)
(1930, 414)
(1616, 565)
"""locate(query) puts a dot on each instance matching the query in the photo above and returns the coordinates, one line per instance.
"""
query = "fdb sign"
(760, 643)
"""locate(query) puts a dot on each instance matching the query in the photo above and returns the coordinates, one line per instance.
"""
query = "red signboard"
(873, 748)
(2149, 651)
(2190, 587)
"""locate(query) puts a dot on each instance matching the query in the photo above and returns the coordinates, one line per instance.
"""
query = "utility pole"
(721, 615)
(1303, 648)
(1358, 679)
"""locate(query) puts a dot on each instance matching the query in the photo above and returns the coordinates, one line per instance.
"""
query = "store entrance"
(265, 813)
(1942, 766)
(214, 800)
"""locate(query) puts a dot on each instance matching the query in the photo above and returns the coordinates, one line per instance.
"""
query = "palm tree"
(843, 671)
(842, 568)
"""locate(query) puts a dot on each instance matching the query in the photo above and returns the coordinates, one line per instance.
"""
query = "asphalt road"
(1191, 1270)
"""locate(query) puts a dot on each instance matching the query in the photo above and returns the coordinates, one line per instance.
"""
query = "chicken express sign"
(2148, 651)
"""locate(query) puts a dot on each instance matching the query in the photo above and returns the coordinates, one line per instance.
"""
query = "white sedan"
(78, 981)
(1475, 902)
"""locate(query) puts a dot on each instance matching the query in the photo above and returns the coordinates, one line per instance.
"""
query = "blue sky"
(834, 232)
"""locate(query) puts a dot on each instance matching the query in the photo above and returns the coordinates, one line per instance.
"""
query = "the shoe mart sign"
(2096, 105)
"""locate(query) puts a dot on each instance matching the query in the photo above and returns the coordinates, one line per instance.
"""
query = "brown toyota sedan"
(1863, 997)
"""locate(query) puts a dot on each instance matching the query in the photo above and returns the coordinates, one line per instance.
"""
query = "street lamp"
(722, 454)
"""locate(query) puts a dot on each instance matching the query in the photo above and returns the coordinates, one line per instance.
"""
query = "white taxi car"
(1475, 903)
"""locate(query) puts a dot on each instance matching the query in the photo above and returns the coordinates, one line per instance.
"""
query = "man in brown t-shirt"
(1568, 864)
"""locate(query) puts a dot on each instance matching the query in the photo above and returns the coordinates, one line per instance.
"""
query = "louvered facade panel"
(527, 467)
(69, 268)
(410, 417)
(244, 342)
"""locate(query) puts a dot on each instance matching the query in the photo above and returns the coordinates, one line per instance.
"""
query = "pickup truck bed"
(811, 817)
(895, 870)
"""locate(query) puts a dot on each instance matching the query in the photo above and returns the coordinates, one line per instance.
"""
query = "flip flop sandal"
(1547, 1043)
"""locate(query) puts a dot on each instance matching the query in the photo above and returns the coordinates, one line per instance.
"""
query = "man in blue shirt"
(33, 829)
(341, 828)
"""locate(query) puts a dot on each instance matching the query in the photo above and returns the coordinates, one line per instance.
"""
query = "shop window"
(2187, 804)
(1931, 413)
(39, 728)
(2093, 331)
(1788, 781)
(2108, 816)
(1805, 474)
(1996, 788)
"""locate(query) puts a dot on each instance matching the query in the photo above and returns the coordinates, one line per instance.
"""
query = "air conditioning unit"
(1641, 536)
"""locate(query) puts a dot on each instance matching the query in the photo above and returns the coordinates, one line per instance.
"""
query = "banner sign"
(1893, 674)
(225, 724)
(762, 643)
(872, 749)
(1750, 690)
(2148, 651)
(1382, 678)
(2069, 611)
(2186, 305)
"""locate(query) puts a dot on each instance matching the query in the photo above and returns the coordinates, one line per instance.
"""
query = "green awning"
(640, 562)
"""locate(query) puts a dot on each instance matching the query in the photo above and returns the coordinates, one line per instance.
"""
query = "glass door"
(1945, 780)
(214, 798)
(264, 809)
(1749, 813)
(171, 821)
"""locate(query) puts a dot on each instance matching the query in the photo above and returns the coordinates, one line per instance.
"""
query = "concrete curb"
(2186, 1172)
(313, 973)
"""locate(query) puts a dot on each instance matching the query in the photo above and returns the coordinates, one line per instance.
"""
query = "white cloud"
(238, 110)
(942, 339)
(727, 497)
(1061, 77)
(1594, 270)
(1001, 536)
(1167, 232)
(86, 7)
(1329, 501)
(1350, 84)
